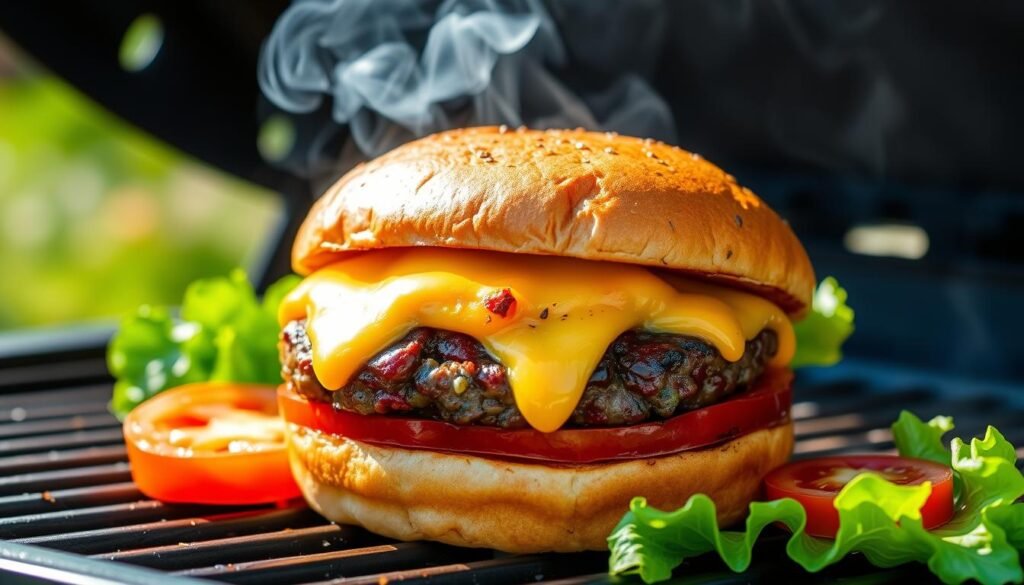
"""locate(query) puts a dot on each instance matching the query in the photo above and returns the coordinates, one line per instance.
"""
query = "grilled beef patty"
(449, 376)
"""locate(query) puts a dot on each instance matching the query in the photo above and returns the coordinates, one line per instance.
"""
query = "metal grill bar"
(65, 485)
(87, 518)
(336, 564)
(55, 442)
(57, 567)
(166, 532)
(511, 569)
(237, 549)
(65, 478)
(62, 459)
(93, 395)
(44, 377)
(50, 426)
(37, 503)
(50, 411)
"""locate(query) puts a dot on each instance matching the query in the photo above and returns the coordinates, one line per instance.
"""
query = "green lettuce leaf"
(224, 334)
(877, 518)
(922, 440)
(820, 335)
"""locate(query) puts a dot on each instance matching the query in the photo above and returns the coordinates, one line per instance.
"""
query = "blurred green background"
(97, 218)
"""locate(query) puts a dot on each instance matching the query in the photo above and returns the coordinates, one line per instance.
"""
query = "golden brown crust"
(517, 507)
(597, 196)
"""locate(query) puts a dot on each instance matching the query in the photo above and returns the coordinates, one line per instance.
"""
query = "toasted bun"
(517, 507)
(597, 196)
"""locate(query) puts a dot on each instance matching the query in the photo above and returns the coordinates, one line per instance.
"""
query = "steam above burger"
(505, 335)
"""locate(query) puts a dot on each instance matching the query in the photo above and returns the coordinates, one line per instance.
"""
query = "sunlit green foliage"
(97, 218)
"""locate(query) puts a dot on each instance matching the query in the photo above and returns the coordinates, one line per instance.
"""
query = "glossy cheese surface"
(566, 314)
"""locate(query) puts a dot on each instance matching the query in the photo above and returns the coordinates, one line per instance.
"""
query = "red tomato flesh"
(815, 482)
(764, 405)
(210, 443)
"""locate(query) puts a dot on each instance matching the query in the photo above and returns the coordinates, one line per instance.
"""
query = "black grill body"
(69, 512)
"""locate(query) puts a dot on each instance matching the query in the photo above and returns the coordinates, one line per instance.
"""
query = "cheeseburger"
(503, 336)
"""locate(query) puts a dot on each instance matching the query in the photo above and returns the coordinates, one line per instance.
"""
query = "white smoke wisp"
(394, 70)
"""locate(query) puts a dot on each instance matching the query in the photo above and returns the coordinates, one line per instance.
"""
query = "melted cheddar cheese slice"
(566, 314)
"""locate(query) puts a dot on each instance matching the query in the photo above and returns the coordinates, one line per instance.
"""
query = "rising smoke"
(393, 70)
(873, 88)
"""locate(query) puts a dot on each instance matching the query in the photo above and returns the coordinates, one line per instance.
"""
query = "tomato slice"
(210, 443)
(766, 404)
(815, 482)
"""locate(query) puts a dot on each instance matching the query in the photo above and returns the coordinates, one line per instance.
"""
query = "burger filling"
(552, 327)
(437, 374)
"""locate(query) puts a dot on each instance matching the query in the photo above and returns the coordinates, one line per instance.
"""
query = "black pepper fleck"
(739, 221)
(728, 254)
(544, 313)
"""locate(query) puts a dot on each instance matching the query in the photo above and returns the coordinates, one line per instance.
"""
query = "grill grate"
(65, 486)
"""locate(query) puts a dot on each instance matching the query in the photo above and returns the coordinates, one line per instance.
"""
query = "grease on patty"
(449, 376)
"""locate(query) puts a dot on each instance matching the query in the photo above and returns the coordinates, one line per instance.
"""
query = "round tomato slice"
(766, 404)
(210, 443)
(815, 482)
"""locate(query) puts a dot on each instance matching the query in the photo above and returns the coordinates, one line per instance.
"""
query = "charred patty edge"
(443, 375)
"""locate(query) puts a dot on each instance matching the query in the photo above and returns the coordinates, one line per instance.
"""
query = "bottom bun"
(518, 507)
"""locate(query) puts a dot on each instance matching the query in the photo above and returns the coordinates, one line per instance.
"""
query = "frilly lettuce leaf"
(224, 334)
(923, 441)
(877, 518)
(820, 335)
